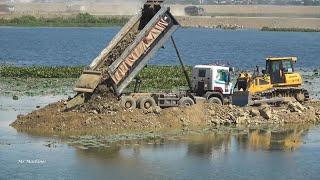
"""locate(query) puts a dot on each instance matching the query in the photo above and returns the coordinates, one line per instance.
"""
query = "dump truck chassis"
(165, 100)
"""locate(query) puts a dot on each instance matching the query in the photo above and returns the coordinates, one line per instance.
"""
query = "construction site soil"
(103, 115)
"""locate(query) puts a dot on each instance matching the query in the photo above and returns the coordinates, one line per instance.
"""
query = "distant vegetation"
(290, 29)
(80, 20)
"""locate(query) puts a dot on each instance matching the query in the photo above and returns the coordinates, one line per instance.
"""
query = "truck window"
(287, 66)
(202, 73)
(275, 66)
(222, 76)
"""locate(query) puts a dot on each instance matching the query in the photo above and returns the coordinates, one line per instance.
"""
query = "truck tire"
(127, 102)
(214, 100)
(185, 101)
(139, 100)
(147, 103)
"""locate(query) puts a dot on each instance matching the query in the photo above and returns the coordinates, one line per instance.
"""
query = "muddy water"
(290, 152)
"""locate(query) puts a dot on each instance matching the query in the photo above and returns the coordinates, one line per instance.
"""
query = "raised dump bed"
(130, 50)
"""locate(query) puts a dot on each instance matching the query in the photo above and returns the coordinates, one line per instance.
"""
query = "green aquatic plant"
(153, 78)
(40, 71)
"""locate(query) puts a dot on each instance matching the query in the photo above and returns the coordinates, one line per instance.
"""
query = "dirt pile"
(101, 102)
(105, 116)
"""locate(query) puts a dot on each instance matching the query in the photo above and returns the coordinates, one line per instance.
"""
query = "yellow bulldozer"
(278, 82)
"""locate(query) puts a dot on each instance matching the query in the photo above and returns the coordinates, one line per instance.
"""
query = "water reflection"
(208, 146)
(285, 138)
(100, 153)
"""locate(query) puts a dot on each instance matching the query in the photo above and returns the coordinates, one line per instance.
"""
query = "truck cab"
(212, 82)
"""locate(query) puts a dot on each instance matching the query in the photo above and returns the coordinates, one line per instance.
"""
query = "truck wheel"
(127, 102)
(185, 101)
(214, 100)
(147, 103)
(139, 100)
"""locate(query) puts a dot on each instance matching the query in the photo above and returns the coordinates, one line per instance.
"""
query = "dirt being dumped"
(121, 46)
(104, 115)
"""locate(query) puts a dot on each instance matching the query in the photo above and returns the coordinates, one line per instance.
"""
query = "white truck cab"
(212, 81)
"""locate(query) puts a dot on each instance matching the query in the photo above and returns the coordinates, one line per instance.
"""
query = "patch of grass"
(80, 20)
(290, 29)
(153, 77)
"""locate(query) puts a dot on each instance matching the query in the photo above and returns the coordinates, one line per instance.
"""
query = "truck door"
(222, 81)
(202, 73)
(276, 72)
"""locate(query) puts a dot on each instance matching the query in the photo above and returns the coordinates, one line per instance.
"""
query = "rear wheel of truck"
(139, 100)
(127, 102)
(147, 103)
(214, 100)
(185, 101)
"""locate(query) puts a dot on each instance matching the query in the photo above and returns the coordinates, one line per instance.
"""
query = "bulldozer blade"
(88, 81)
(240, 98)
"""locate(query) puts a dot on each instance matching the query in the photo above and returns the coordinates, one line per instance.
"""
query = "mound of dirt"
(100, 103)
(103, 115)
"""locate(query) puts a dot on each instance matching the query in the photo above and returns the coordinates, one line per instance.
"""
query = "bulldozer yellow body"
(279, 80)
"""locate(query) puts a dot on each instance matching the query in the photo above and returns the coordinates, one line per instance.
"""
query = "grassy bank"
(80, 20)
(290, 29)
(41, 80)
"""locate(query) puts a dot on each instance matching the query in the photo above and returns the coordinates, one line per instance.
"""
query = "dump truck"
(278, 82)
(129, 52)
(138, 41)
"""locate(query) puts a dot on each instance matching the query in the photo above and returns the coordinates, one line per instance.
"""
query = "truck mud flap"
(240, 98)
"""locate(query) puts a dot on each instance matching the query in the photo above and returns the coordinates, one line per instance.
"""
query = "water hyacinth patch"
(40, 72)
(153, 78)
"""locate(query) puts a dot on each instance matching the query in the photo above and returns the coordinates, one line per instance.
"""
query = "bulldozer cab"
(278, 67)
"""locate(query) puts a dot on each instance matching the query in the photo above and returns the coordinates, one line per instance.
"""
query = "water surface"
(280, 153)
(79, 46)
